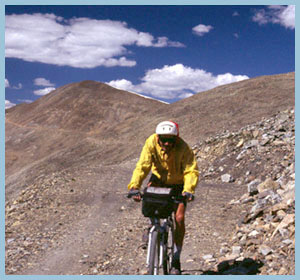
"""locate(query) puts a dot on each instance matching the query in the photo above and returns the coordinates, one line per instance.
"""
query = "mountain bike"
(158, 206)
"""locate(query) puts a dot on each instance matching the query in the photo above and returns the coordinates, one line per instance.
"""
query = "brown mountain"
(233, 106)
(73, 123)
(90, 121)
(88, 106)
(78, 145)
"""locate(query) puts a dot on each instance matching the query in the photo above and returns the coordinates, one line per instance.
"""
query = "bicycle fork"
(161, 240)
(157, 265)
(149, 243)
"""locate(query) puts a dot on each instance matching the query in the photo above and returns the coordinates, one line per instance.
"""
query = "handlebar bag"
(157, 202)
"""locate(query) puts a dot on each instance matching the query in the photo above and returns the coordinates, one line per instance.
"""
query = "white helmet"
(167, 128)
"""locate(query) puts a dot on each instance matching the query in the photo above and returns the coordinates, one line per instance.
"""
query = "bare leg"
(180, 225)
(179, 236)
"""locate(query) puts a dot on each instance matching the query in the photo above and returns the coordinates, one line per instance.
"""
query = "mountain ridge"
(77, 103)
(113, 127)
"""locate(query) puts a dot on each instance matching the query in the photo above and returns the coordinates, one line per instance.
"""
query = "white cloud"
(128, 86)
(7, 85)
(283, 15)
(19, 86)
(235, 14)
(43, 82)
(176, 82)
(185, 95)
(78, 42)
(202, 29)
(43, 91)
(122, 84)
(25, 100)
(9, 104)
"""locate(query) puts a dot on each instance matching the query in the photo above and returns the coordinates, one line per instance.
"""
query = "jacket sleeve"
(190, 171)
(142, 168)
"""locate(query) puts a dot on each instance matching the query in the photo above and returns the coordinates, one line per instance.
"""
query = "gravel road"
(106, 239)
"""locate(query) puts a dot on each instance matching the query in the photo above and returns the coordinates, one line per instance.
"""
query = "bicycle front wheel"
(168, 250)
(153, 268)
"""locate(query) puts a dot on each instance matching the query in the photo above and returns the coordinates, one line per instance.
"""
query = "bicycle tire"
(168, 250)
(154, 254)
(166, 262)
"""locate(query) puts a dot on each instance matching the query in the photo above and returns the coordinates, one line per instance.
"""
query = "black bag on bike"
(157, 202)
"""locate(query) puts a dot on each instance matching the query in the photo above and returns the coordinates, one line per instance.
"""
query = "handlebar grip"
(134, 193)
(180, 198)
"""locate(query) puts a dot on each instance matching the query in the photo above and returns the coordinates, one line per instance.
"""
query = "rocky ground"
(242, 221)
(261, 156)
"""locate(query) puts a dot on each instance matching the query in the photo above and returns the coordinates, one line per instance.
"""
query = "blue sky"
(163, 52)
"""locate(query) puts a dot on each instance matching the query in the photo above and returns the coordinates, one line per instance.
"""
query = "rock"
(251, 144)
(253, 187)
(227, 178)
(229, 258)
(236, 250)
(287, 220)
(241, 143)
(254, 233)
(268, 184)
(207, 257)
(283, 271)
(265, 250)
(241, 155)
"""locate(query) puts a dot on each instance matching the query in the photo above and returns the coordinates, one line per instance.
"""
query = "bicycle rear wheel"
(153, 268)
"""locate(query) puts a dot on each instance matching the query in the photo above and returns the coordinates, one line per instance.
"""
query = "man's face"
(167, 142)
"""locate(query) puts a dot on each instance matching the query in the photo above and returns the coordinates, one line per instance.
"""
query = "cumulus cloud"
(283, 15)
(122, 84)
(77, 42)
(43, 82)
(202, 29)
(9, 104)
(43, 91)
(176, 82)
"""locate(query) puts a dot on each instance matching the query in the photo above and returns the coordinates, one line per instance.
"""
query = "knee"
(179, 219)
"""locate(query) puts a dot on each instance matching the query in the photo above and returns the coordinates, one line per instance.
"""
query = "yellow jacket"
(179, 167)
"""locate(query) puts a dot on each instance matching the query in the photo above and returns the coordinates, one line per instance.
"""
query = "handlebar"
(178, 198)
(130, 195)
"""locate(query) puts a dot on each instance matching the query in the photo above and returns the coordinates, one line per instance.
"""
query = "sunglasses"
(170, 140)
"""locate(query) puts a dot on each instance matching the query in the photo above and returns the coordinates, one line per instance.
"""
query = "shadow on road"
(246, 267)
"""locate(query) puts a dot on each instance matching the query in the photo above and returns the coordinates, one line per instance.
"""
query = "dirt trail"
(107, 239)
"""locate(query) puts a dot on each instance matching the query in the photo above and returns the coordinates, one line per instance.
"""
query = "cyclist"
(172, 163)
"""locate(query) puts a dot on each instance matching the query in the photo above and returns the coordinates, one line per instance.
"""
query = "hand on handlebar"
(189, 196)
(135, 195)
